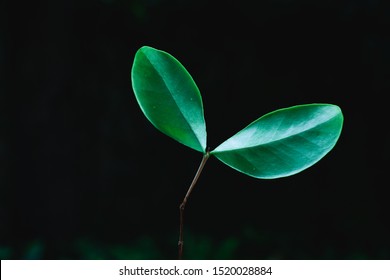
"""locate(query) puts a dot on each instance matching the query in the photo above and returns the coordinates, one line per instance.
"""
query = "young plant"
(278, 144)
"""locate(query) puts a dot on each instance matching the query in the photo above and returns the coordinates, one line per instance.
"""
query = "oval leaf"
(283, 142)
(169, 97)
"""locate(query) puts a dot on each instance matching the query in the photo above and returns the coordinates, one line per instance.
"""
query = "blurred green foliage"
(249, 245)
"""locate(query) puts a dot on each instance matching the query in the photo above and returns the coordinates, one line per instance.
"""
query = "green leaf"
(169, 97)
(283, 142)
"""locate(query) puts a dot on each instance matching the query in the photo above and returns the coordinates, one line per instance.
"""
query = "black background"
(84, 175)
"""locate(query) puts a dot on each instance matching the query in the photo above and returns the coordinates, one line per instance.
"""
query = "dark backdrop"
(84, 175)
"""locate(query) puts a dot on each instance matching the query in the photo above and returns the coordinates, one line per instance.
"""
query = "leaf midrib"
(274, 141)
(174, 100)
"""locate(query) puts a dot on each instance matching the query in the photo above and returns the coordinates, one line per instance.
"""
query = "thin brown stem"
(183, 204)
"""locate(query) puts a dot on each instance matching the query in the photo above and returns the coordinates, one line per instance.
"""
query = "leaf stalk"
(184, 202)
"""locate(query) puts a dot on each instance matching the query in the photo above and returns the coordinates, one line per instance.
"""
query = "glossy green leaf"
(169, 97)
(283, 142)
